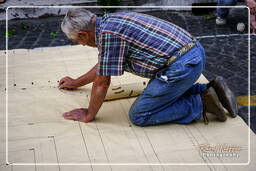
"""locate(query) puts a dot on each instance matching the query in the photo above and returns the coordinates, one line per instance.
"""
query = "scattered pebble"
(32, 83)
(144, 83)
(23, 88)
(14, 84)
(49, 81)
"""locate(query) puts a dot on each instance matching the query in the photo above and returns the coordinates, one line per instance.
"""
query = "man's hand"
(81, 115)
(99, 91)
(68, 83)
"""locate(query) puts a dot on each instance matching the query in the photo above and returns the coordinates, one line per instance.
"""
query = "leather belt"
(182, 51)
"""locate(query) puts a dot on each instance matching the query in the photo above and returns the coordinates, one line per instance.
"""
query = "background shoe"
(221, 21)
(225, 95)
(212, 104)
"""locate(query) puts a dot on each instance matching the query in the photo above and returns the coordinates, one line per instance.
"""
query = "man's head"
(79, 26)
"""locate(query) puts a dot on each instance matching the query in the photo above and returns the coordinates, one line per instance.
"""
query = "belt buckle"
(186, 48)
(182, 51)
(191, 44)
(172, 59)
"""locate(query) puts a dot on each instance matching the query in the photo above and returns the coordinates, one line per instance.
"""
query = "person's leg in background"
(252, 5)
(222, 13)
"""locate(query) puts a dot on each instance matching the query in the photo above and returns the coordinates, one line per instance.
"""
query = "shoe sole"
(226, 96)
(221, 115)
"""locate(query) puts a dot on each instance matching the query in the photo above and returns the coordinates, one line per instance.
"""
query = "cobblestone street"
(227, 56)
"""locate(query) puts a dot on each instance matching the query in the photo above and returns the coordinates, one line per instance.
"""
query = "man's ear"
(83, 35)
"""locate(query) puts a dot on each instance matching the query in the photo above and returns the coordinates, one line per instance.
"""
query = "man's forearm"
(99, 91)
(87, 78)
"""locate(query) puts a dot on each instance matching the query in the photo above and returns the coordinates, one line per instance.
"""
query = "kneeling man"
(149, 47)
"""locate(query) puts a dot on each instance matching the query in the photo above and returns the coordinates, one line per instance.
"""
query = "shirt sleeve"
(112, 53)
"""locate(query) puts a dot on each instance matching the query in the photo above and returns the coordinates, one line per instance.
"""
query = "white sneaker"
(220, 21)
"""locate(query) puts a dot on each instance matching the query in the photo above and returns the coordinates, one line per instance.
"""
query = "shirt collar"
(97, 32)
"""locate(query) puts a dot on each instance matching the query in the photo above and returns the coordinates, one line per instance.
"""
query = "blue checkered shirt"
(135, 42)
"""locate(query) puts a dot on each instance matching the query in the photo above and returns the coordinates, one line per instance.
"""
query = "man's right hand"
(68, 83)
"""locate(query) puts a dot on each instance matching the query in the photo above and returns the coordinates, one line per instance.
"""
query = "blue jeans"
(172, 95)
(223, 12)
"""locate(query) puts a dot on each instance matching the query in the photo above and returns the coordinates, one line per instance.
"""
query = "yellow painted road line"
(244, 100)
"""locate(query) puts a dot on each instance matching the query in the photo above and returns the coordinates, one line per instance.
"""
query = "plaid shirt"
(136, 43)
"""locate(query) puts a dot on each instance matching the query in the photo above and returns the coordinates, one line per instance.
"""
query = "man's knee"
(134, 118)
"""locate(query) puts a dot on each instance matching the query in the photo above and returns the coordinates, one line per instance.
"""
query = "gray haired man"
(149, 47)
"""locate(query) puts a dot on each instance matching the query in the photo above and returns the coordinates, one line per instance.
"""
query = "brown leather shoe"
(212, 105)
(225, 95)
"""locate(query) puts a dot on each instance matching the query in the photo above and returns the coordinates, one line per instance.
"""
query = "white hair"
(77, 20)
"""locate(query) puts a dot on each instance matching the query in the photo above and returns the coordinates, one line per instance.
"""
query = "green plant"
(110, 3)
(10, 32)
(210, 16)
(24, 26)
(54, 34)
